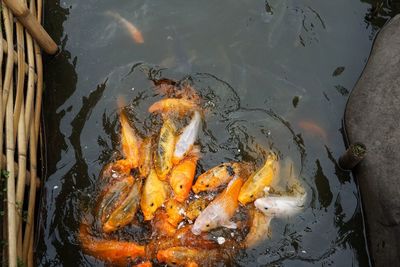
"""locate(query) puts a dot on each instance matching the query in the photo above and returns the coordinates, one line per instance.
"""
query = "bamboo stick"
(30, 84)
(1, 93)
(4, 48)
(16, 169)
(11, 208)
(21, 11)
(21, 178)
(32, 193)
(30, 251)
(3, 224)
(20, 75)
(9, 66)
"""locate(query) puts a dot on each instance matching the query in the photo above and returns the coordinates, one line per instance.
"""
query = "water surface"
(267, 70)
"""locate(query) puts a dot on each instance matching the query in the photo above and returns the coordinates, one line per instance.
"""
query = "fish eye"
(251, 196)
(207, 225)
(152, 204)
(207, 185)
(180, 186)
(266, 208)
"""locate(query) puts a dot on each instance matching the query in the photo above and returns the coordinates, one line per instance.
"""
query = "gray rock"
(372, 117)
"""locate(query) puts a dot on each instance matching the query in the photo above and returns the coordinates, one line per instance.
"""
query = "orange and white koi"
(212, 179)
(154, 194)
(254, 187)
(182, 176)
(165, 149)
(186, 140)
(220, 210)
(134, 32)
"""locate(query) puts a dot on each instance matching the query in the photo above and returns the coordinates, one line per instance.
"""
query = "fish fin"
(230, 225)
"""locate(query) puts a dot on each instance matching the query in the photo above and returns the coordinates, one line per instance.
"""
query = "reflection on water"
(262, 68)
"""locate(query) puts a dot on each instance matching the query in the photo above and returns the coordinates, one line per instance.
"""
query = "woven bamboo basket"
(21, 85)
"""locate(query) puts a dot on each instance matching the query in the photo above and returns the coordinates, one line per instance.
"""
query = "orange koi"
(254, 187)
(161, 226)
(181, 177)
(178, 105)
(220, 210)
(130, 141)
(117, 252)
(134, 32)
(183, 256)
(174, 211)
(314, 129)
(212, 179)
(153, 196)
(144, 264)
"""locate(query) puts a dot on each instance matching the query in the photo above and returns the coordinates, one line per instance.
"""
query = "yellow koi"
(165, 150)
(153, 196)
(254, 187)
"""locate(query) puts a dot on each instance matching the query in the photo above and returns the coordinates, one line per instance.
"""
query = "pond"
(273, 75)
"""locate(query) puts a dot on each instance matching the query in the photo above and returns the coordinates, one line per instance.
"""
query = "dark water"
(263, 68)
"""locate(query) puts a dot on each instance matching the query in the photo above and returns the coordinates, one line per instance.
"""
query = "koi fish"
(109, 250)
(196, 207)
(145, 157)
(166, 221)
(178, 105)
(181, 177)
(254, 186)
(113, 197)
(186, 140)
(314, 129)
(129, 27)
(154, 194)
(175, 211)
(281, 206)
(160, 225)
(259, 228)
(183, 256)
(115, 171)
(212, 179)
(220, 210)
(165, 150)
(130, 141)
(144, 264)
(126, 211)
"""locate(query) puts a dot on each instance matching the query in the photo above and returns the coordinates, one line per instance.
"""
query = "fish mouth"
(196, 231)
